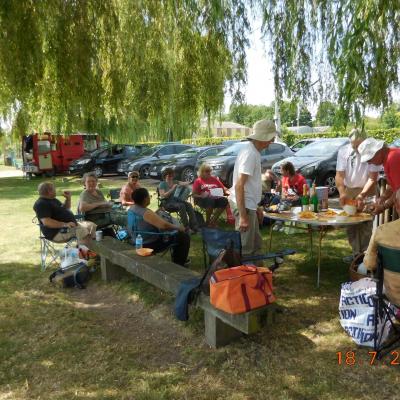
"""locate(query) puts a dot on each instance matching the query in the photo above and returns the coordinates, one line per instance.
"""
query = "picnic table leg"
(110, 271)
(321, 236)
(217, 332)
(270, 236)
(311, 241)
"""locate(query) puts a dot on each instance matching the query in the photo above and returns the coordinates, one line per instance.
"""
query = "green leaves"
(350, 46)
(137, 69)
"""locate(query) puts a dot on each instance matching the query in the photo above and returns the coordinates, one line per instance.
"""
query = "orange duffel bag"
(240, 289)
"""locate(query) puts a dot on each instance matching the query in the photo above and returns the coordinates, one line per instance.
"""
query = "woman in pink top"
(208, 193)
(125, 196)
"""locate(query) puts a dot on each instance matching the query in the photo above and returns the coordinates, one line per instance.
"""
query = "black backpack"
(75, 275)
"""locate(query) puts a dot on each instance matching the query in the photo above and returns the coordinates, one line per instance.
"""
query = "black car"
(184, 164)
(302, 143)
(105, 160)
(222, 164)
(317, 162)
(146, 159)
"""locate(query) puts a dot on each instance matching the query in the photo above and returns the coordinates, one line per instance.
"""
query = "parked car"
(222, 164)
(302, 143)
(184, 164)
(317, 162)
(146, 159)
(105, 160)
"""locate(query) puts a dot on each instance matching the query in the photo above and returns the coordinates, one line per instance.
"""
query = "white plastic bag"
(70, 256)
(357, 314)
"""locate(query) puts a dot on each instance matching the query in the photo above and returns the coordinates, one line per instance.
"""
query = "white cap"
(369, 147)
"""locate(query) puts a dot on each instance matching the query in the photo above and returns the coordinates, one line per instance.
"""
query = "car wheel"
(188, 175)
(98, 171)
(145, 171)
(329, 181)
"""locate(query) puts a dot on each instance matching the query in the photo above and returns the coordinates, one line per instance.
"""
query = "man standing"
(246, 190)
(376, 152)
(355, 180)
(57, 222)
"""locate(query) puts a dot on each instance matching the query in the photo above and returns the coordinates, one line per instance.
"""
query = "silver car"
(223, 163)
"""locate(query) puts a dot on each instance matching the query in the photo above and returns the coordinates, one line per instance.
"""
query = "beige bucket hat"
(369, 147)
(264, 131)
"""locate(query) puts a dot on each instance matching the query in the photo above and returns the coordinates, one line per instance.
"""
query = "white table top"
(321, 221)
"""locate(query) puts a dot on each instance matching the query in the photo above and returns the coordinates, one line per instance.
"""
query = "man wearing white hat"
(355, 180)
(246, 190)
(376, 152)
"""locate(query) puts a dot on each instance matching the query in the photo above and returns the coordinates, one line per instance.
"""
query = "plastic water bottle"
(139, 242)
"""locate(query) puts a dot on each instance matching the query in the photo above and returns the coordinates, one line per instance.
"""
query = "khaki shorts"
(84, 230)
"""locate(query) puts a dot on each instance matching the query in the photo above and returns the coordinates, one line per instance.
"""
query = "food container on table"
(350, 209)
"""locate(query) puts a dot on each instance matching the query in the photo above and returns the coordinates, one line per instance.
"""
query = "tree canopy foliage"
(345, 50)
(117, 65)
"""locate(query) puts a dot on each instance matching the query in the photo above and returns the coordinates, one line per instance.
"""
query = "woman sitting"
(145, 221)
(208, 193)
(93, 204)
(125, 195)
(292, 183)
(170, 192)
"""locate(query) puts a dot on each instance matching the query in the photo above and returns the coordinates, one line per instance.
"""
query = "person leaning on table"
(57, 222)
(246, 190)
(376, 152)
(355, 180)
(387, 235)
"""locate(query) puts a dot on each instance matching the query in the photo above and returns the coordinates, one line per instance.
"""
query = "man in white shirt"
(246, 190)
(355, 180)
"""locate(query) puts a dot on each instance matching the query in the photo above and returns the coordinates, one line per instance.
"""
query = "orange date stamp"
(351, 358)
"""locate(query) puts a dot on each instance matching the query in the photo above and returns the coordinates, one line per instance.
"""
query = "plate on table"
(144, 251)
(307, 215)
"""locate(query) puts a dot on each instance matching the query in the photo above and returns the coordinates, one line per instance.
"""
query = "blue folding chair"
(215, 240)
(134, 230)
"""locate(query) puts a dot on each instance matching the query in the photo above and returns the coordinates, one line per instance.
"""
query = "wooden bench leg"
(110, 271)
(217, 332)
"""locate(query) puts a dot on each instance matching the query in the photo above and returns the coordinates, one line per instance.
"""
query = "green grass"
(121, 341)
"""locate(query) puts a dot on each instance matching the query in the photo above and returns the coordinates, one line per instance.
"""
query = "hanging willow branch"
(350, 47)
(135, 69)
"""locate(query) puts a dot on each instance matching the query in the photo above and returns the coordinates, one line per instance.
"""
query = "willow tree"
(136, 68)
(346, 51)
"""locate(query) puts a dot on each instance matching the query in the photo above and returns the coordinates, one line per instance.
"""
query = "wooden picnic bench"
(220, 328)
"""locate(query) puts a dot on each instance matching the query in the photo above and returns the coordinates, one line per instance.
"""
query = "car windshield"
(321, 148)
(95, 153)
(188, 153)
(150, 151)
(232, 150)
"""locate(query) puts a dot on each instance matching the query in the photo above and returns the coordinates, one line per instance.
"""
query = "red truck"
(50, 154)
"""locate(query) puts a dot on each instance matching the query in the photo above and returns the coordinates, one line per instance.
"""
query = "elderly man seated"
(387, 235)
(57, 222)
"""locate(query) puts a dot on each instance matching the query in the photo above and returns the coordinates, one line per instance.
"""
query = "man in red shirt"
(376, 152)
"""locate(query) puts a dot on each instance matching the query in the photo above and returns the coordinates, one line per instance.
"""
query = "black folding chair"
(388, 260)
(215, 240)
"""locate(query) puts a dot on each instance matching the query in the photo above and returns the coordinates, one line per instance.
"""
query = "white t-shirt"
(356, 172)
(248, 162)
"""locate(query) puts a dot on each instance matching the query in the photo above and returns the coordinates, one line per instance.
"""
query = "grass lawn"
(121, 341)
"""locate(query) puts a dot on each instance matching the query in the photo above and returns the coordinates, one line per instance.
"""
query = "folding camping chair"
(215, 240)
(50, 250)
(388, 260)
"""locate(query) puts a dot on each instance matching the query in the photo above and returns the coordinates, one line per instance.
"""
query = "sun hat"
(369, 147)
(264, 131)
(356, 134)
